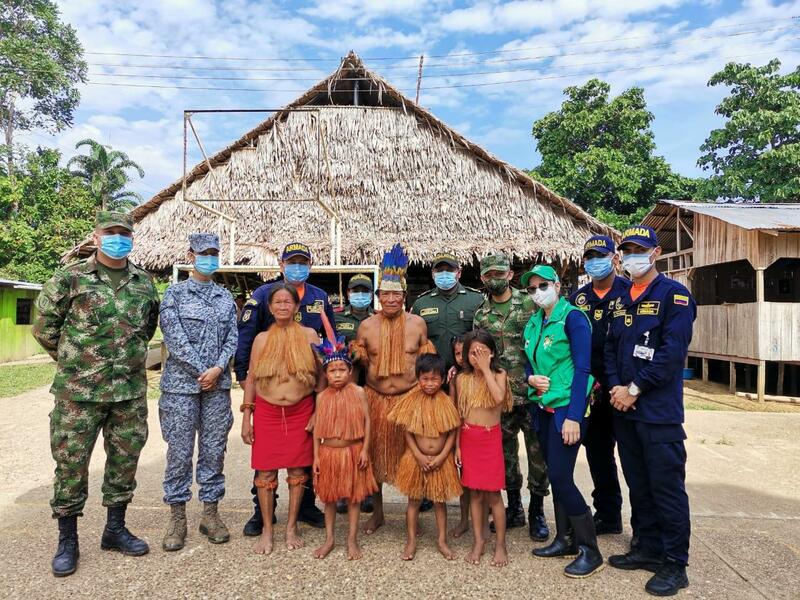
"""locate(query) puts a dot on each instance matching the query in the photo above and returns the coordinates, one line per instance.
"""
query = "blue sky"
(551, 43)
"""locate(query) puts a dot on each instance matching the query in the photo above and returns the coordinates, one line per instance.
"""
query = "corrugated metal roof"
(772, 217)
(20, 285)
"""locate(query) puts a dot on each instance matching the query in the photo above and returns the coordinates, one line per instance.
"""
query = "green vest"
(547, 349)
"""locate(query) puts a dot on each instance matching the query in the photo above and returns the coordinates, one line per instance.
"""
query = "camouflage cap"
(199, 242)
(107, 218)
(497, 261)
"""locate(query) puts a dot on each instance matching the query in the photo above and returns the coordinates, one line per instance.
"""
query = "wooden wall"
(716, 241)
(779, 331)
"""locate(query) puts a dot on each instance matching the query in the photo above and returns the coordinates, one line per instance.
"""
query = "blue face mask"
(445, 280)
(116, 246)
(296, 272)
(599, 268)
(207, 265)
(360, 300)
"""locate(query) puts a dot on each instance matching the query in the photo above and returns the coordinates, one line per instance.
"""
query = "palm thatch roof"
(393, 172)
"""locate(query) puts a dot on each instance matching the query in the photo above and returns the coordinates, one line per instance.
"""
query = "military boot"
(564, 542)
(537, 524)
(515, 513)
(117, 537)
(65, 561)
(212, 526)
(175, 538)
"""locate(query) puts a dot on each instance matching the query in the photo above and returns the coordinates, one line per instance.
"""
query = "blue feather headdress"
(333, 351)
(393, 270)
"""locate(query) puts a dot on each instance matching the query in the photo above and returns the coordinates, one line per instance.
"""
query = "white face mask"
(546, 298)
(637, 264)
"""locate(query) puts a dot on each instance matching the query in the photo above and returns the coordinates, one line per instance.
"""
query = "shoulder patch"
(681, 300)
(246, 315)
(425, 293)
(580, 299)
(251, 302)
(598, 314)
(429, 311)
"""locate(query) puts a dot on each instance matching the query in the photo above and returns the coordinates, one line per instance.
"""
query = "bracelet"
(245, 405)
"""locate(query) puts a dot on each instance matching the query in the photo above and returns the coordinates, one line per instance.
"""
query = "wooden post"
(761, 382)
(759, 285)
(748, 377)
(705, 370)
(781, 369)
(732, 377)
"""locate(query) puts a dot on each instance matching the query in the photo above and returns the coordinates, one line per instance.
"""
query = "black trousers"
(600, 442)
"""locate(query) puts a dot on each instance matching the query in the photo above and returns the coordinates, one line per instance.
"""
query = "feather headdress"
(333, 351)
(393, 270)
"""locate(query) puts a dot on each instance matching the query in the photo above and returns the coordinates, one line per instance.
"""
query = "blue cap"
(639, 234)
(200, 242)
(599, 243)
(295, 249)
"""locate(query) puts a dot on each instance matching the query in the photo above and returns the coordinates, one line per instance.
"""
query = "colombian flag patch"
(681, 300)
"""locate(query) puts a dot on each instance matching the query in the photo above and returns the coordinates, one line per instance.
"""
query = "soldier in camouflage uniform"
(198, 320)
(504, 314)
(95, 318)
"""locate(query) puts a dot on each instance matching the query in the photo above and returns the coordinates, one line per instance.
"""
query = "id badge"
(643, 352)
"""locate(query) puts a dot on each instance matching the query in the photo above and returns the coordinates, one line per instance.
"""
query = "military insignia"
(619, 312)
(628, 320)
(681, 300)
(246, 316)
(251, 302)
(648, 308)
(598, 314)
(581, 299)
(429, 311)
(315, 308)
(345, 327)
(297, 317)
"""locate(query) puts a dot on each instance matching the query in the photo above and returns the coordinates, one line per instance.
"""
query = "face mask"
(546, 298)
(296, 272)
(116, 246)
(360, 300)
(598, 268)
(206, 265)
(637, 264)
(445, 280)
(497, 286)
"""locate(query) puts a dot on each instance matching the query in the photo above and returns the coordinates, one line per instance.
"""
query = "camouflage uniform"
(199, 325)
(99, 337)
(507, 334)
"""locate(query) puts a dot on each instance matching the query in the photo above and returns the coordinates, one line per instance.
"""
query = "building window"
(24, 311)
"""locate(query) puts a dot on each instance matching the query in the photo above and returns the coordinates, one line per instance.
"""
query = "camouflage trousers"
(74, 427)
(208, 417)
(519, 419)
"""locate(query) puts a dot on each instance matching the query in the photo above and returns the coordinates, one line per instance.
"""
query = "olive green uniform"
(347, 323)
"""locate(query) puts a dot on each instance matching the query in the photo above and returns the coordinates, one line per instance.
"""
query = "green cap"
(495, 262)
(546, 272)
(360, 280)
(107, 218)
(447, 258)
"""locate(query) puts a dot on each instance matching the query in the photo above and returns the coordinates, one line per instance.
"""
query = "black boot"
(515, 514)
(309, 513)
(255, 524)
(65, 561)
(117, 537)
(589, 560)
(636, 558)
(669, 578)
(606, 527)
(367, 505)
(341, 506)
(564, 542)
(537, 524)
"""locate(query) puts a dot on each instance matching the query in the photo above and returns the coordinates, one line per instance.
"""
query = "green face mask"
(497, 286)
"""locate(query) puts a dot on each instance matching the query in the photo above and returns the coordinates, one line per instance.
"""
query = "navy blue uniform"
(648, 340)
(256, 318)
(599, 439)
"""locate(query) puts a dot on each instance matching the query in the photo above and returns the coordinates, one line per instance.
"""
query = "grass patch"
(17, 379)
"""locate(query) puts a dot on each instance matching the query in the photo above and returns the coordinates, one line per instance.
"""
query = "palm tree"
(104, 171)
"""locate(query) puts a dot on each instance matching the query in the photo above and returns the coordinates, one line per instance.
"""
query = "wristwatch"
(634, 390)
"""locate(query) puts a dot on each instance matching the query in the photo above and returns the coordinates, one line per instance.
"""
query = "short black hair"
(430, 363)
(481, 336)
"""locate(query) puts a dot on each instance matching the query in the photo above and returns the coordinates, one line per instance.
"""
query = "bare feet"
(460, 529)
(324, 550)
(293, 540)
(264, 544)
(500, 558)
(353, 550)
(445, 550)
(374, 523)
(474, 556)
(410, 551)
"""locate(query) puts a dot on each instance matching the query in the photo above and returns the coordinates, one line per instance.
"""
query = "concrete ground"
(743, 482)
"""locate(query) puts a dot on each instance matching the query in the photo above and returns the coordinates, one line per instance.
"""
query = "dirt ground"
(743, 482)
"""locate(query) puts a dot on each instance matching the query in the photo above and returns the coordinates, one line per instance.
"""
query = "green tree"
(44, 211)
(105, 172)
(756, 155)
(41, 61)
(598, 151)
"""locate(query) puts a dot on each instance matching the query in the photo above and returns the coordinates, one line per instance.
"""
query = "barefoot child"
(341, 447)
(482, 393)
(427, 469)
(457, 346)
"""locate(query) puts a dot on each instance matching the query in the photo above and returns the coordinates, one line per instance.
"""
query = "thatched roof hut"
(393, 172)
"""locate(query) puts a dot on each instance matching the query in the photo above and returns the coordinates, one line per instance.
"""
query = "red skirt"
(281, 440)
(483, 466)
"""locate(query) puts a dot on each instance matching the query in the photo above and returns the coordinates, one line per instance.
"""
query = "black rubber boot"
(606, 527)
(589, 560)
(117, 537)
(636, 558)
(515, 513)
(564, 542)
(669, 578)
(65, 561)
(309, 513)
(537, 524)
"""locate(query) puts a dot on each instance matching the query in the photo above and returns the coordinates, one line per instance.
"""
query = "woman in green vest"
(558, 343)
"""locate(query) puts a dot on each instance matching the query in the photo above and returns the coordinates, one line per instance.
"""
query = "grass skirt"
(440, 485)
(340, 477)
(388, 439)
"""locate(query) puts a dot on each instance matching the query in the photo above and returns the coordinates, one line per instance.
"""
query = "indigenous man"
(314, 312)
(96, 317)
(388, 344)
(504, 314)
